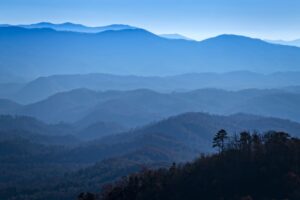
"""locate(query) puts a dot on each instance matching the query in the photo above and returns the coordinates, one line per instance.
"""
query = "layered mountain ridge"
(38, 52)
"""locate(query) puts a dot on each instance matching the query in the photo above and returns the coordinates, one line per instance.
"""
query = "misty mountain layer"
(35, 169)
(139, 107)
(45, 87)
(33, 52)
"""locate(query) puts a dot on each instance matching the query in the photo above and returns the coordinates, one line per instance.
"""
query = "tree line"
(246, 166)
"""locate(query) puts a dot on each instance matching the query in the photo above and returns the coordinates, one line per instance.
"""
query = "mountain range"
(83, 106)
(72, 27)
(44, 87)
(139, 107)
(31, 53)
(56, 172)
(184, 137)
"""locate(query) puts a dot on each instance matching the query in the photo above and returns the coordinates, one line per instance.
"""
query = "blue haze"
(268, 19)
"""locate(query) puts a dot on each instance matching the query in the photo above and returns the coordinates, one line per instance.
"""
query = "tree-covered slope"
(260, 167)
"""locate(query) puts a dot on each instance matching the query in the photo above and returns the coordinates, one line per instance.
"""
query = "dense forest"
(247, 166)
(59, 161)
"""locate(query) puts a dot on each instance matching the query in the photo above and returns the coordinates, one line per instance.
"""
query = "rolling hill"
(251, 166)
(8, 107)
(179, 138)
(28, 129)
(39, 52)
(138, 107)
(44, 87)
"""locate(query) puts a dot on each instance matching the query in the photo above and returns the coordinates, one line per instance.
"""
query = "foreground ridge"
(248, 166)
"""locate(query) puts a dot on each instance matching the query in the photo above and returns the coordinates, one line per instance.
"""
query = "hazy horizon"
(273, 20)
(132, 99)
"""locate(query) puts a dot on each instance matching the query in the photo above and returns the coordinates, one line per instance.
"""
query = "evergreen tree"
(220, 139)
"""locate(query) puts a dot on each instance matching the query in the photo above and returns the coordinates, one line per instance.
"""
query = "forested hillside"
(39, 161)
(248, 166)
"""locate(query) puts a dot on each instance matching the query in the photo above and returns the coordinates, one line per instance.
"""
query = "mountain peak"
(123, 26)
(231, 39)
(135, 33)
(43, 23)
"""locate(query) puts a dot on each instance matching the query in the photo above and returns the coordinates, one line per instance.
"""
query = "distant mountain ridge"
(74, 27)
(139, 107)
(68, 26)
(175, 36)
(42, 52)
(44, 87)
(285, 42)
(178, 138)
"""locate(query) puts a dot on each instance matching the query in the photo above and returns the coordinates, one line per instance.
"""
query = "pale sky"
(199, 19)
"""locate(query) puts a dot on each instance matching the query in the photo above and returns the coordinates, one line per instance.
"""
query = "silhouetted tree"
(245, 142)
(271, 172)
(219, 140)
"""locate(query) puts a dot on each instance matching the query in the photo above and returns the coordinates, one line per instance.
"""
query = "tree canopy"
(248, 166)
